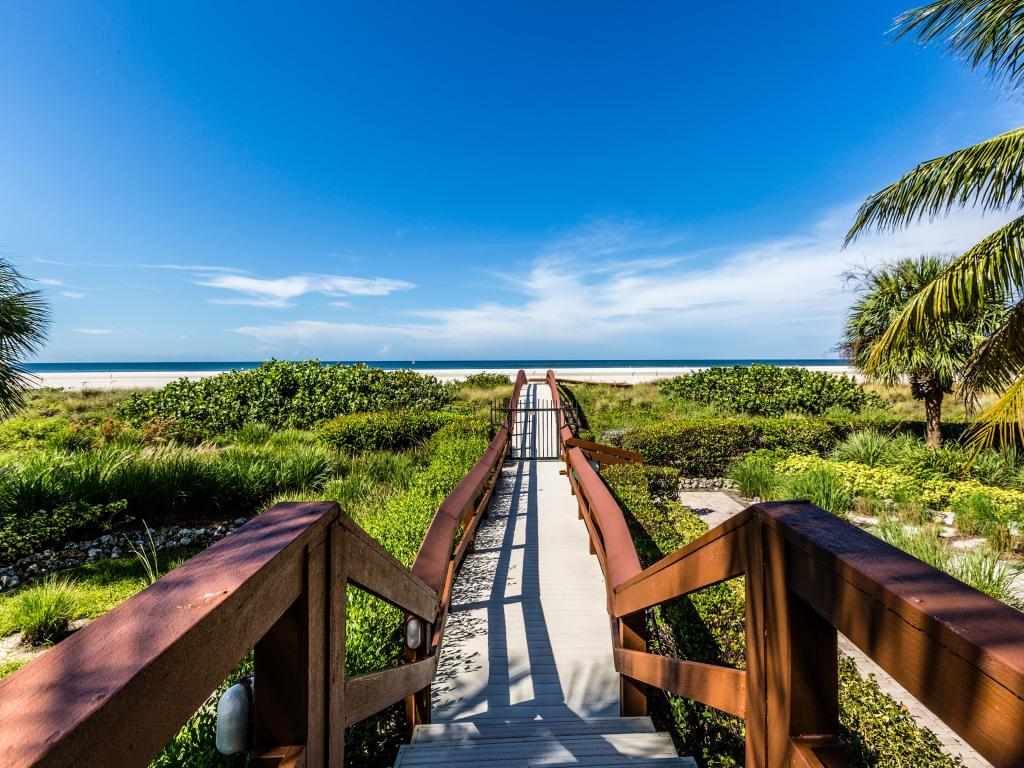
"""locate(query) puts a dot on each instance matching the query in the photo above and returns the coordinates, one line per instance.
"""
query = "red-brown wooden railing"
(115, 692)
(808, 576)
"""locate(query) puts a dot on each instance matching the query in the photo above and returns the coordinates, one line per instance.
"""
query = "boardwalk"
(526, 675)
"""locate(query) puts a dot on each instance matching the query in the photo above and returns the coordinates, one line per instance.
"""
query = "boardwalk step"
(470, 731)
(537, 748)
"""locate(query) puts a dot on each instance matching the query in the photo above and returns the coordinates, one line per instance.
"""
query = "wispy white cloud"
(73, 294)
(616, 289)
(198, 268)
(94, 331)
(279, 292)
(49, 281)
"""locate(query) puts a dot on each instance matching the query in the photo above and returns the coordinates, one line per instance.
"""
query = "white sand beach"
(149, 379)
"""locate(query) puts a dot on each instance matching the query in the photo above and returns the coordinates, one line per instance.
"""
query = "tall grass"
(820, 486)
(44, 611)
(754, 475)
(981, 568)
(159, 483)
(865, 447)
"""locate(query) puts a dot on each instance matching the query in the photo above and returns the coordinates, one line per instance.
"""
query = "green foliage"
(25, 532)
(44, 611)
(866, 447)
(7, 667)
(705, 447)
(821, 486)
(485, 380)
(754, 475)
(880, 732)
(769, 390)
(24, 318)
(50, 495)
(708, 626)
(282, 394)
(386, 430)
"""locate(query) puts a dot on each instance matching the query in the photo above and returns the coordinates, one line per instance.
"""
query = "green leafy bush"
(705, 447)
(282, 394)
(769, 390)
(708, 626)
(44, 611)
(485, 380)
(24, 532)
(386, 430)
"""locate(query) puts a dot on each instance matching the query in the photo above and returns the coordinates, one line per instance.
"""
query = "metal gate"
(533, 430)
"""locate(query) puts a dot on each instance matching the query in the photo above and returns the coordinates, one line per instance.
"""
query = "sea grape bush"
(283, 394)
(769, 390)
(386, 430)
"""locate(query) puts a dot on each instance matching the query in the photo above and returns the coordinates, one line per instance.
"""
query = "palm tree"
(932, 361)
(987, 34)
(24, 318)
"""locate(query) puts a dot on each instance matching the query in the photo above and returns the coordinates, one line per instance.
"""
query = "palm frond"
(992, 269)
(1003, 420)
(988, 175)
(986, 34)
(997, 360)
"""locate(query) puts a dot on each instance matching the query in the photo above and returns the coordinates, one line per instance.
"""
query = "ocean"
(223, 365)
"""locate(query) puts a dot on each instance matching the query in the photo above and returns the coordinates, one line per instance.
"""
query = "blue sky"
(462, 180)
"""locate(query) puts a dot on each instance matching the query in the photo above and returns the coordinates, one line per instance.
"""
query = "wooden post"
(290, 706)
(632, 637)
(337, 615)
(792, 661)
(417, 706)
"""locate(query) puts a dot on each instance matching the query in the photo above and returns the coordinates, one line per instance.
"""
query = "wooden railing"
(810, 575)
(115, 692)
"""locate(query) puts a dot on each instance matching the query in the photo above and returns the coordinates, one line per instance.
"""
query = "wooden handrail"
(117, 691)
(808, 576)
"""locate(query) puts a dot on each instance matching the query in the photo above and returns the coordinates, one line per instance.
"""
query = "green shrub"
(51, 494)
(768, 390)
(705, 447)
(821, 486)
(866, 447)
(754, 474)
(485, 380)
(708, 626)
(282, 394)
(44, 611)
(387, 430)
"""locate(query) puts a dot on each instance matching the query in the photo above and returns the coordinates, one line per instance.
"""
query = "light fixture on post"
(413, 632)
(233, 712)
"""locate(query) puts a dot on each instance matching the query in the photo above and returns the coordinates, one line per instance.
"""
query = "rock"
(240, 522)
(94, 553)
(186, 542)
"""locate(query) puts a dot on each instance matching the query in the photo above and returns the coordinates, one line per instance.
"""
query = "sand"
(150, 379)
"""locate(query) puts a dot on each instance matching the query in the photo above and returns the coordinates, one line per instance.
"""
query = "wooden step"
(469, 731)
(610, 741)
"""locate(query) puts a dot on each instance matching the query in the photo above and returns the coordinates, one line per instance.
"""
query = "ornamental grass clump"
(866, 447)
(754, 475)
(44, 611)
(822, 487)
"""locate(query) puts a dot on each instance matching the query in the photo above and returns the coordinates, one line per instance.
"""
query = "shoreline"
(78, 380)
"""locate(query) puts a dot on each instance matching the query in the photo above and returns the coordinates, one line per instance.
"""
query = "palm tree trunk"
(933, 417)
